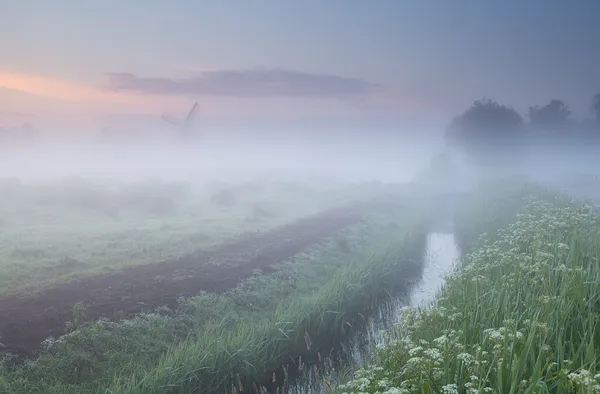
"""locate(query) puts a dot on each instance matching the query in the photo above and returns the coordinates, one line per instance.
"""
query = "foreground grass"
(519, 315)
(213, 341)
(50, 232)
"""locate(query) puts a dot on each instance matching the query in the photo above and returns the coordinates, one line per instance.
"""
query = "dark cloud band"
(251, 83)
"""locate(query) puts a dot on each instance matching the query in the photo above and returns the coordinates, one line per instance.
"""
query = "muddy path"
(27, 319)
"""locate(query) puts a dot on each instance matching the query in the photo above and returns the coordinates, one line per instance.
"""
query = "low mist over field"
(347, 156)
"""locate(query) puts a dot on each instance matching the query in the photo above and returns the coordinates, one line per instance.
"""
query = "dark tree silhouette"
(554, 114)
(489, 133)
(596, 106)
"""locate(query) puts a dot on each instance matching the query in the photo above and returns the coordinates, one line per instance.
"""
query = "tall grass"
(251, 349)
(519, 316)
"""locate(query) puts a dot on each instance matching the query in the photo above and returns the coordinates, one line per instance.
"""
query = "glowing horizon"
(296, 60)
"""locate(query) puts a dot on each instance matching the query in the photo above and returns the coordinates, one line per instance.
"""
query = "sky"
(78, 61)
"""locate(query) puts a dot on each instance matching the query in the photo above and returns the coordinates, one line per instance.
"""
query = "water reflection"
(442, 253)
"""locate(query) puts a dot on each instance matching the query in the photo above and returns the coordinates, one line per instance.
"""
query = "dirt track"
(26, 320)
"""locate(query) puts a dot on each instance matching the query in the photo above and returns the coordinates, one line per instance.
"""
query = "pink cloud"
(77, 93)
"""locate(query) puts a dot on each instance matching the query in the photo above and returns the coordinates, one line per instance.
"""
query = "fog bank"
(347, 156)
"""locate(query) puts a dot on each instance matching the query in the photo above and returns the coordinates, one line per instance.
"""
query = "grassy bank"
(51, 231)
(210, 340)
(519, 315)
(491, 207)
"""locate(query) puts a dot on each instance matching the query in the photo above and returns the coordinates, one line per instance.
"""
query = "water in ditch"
(441, 255)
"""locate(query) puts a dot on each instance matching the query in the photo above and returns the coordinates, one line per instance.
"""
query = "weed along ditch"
(440, 254)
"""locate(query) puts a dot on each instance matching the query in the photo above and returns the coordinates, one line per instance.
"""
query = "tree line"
(489, 132)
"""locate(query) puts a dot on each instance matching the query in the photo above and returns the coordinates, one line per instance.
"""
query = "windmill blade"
(192, 113)
(170, 119)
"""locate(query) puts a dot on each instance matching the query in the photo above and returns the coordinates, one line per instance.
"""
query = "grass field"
(210, 342)
(51, 231)
(519, 315)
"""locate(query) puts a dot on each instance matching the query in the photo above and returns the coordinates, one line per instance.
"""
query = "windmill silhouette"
(184, 127)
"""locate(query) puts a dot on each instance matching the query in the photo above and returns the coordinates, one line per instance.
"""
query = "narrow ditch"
(441, 254)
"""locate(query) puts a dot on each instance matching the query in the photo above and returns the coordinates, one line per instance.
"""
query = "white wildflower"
(581, 378)
(450, 389)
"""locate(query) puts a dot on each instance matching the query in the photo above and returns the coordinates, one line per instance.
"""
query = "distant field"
(205, 328)
(71, 227)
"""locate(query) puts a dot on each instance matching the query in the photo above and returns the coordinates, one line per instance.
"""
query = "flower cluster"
(519, 314)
